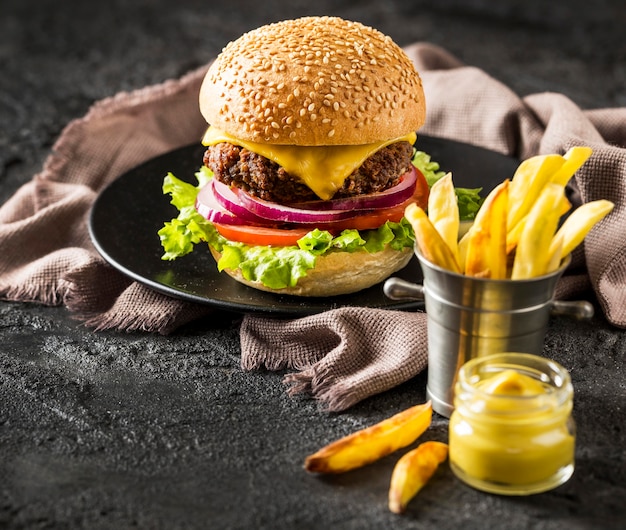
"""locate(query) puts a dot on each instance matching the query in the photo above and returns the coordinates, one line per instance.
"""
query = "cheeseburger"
(307, 169)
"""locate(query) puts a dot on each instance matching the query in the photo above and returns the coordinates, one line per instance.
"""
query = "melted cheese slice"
(321, 168)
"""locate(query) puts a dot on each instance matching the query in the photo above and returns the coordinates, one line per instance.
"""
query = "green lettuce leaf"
(180, 235)
(469, 199)
(275, 267)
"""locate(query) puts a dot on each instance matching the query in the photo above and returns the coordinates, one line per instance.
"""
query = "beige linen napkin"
(46, 255)
(343, 355)
(346, 362)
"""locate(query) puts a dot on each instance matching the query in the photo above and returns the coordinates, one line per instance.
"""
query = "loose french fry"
(430, 243)
(485, 256)
(532, 255)
(529, 179)
(443, 212)
(413, 471)
(574, 159)
(576, 227)
(370, 444)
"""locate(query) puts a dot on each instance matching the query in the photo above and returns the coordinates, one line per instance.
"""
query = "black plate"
(127, 215)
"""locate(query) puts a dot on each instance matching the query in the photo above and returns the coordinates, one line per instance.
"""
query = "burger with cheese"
(307, 170)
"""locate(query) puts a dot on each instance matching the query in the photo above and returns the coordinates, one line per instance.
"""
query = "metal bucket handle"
(399, 289)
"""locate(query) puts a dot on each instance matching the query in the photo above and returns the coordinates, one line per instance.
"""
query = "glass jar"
(512, 430)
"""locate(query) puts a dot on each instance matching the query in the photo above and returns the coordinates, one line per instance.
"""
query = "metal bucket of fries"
(470, 317)
(492, 290)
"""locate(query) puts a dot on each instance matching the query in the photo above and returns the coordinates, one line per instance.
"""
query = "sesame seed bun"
(313, 81)
(335, 273)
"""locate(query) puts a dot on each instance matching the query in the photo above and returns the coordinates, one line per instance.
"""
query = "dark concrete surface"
(116, 430)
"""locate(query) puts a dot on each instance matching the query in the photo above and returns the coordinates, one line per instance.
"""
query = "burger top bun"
(313, 81)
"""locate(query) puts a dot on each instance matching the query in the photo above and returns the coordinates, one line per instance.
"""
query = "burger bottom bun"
(338, 272)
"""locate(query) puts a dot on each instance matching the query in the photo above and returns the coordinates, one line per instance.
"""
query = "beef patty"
(263, 178)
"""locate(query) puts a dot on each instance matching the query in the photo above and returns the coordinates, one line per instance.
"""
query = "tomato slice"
(281, 237)
(261, 235)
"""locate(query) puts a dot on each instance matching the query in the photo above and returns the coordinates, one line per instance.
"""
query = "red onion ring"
(286, 214)
(228, 198)
(223, 210)
(220, 203)
(373, 201)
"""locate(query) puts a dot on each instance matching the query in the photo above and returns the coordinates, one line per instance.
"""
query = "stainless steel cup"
(469, 317)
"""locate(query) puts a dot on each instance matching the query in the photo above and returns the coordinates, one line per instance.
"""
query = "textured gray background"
(110, 430)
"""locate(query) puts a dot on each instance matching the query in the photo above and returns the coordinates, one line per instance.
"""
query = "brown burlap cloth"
(341, 356)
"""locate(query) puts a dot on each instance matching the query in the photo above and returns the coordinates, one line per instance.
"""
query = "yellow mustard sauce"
(511, 431)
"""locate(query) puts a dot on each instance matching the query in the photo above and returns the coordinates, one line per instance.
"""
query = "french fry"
(462, 248)
(513, 235)
(443, 212)
(485, 256)
(413, 471)
(372, 443)
(430, 243)
(529, 179)
(576, 227)
(574, 159)
(565, 205)
(555, 253)
(532, 255)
